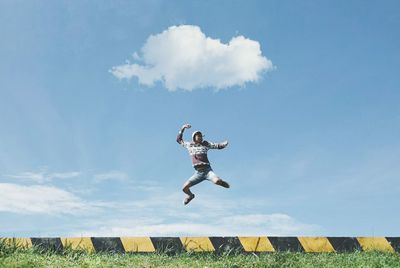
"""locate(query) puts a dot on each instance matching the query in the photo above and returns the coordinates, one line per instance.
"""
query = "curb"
(238, 244)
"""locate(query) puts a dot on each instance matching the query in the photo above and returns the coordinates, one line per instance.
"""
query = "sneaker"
(188, 199)
(224, 184)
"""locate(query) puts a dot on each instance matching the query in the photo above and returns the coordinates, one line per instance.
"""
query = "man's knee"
(215, 179)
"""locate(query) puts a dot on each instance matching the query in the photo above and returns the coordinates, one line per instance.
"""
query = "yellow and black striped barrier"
(211, 244)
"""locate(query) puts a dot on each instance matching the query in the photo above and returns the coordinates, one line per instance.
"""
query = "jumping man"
(198, 151)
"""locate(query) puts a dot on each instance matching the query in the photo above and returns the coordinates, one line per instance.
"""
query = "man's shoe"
(223, 183)
(188, 199)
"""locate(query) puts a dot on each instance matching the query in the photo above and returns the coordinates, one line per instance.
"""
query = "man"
(198, 151)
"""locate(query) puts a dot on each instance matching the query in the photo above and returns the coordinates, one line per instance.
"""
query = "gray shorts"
(200, 175)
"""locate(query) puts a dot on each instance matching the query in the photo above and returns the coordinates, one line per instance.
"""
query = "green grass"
(12, 256)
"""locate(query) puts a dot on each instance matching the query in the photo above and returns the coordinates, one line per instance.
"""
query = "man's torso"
(198, 153)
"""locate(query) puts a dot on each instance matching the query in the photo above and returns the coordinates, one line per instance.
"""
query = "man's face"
(198, 138)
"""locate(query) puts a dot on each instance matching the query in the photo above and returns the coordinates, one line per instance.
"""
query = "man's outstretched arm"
(221, 145)
(179, 138)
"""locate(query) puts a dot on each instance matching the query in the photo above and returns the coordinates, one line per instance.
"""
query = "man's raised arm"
(179, 138)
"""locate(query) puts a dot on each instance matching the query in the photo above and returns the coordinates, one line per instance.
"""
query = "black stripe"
(226, 244)
(52, 243)
(286, 243)
(107, 244)
(394, 242)
(344, 244)
(167, 245)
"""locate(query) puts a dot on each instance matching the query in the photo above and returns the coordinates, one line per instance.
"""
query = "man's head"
(197, 137)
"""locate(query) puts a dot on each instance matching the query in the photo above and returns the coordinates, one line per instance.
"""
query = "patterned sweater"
(198, 151)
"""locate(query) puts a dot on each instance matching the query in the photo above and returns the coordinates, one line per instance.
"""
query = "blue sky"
(312, 120)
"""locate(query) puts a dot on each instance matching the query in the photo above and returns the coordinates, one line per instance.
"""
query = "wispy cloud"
(152, 210)
(244, 224)
(375, 173)
(43, 176)
(164, 215)
(111, 175)
(273, 224)
(184, 57)
(40, 199)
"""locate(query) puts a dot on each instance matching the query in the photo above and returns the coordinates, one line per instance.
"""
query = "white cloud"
(43, 176)
(65, 175)
(158, 212)
(273, 224)
(242, 225)
(111, 175)
(39, 199)
(184, 57)
(165, 215)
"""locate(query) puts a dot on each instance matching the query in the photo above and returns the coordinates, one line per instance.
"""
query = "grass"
(13, 256)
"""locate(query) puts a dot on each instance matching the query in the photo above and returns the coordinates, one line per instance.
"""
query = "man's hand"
(224, 144)
(179, 138)
(186, 126)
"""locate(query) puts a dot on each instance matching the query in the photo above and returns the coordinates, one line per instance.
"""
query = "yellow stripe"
(316, 244)
(19, 242)
(256, 244)
(375, 243)
(78, 243)
(197, 244)
(137, 244)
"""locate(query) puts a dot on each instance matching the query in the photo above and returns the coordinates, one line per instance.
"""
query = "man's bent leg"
(217, 180)
(186, 188)
(195, 179)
